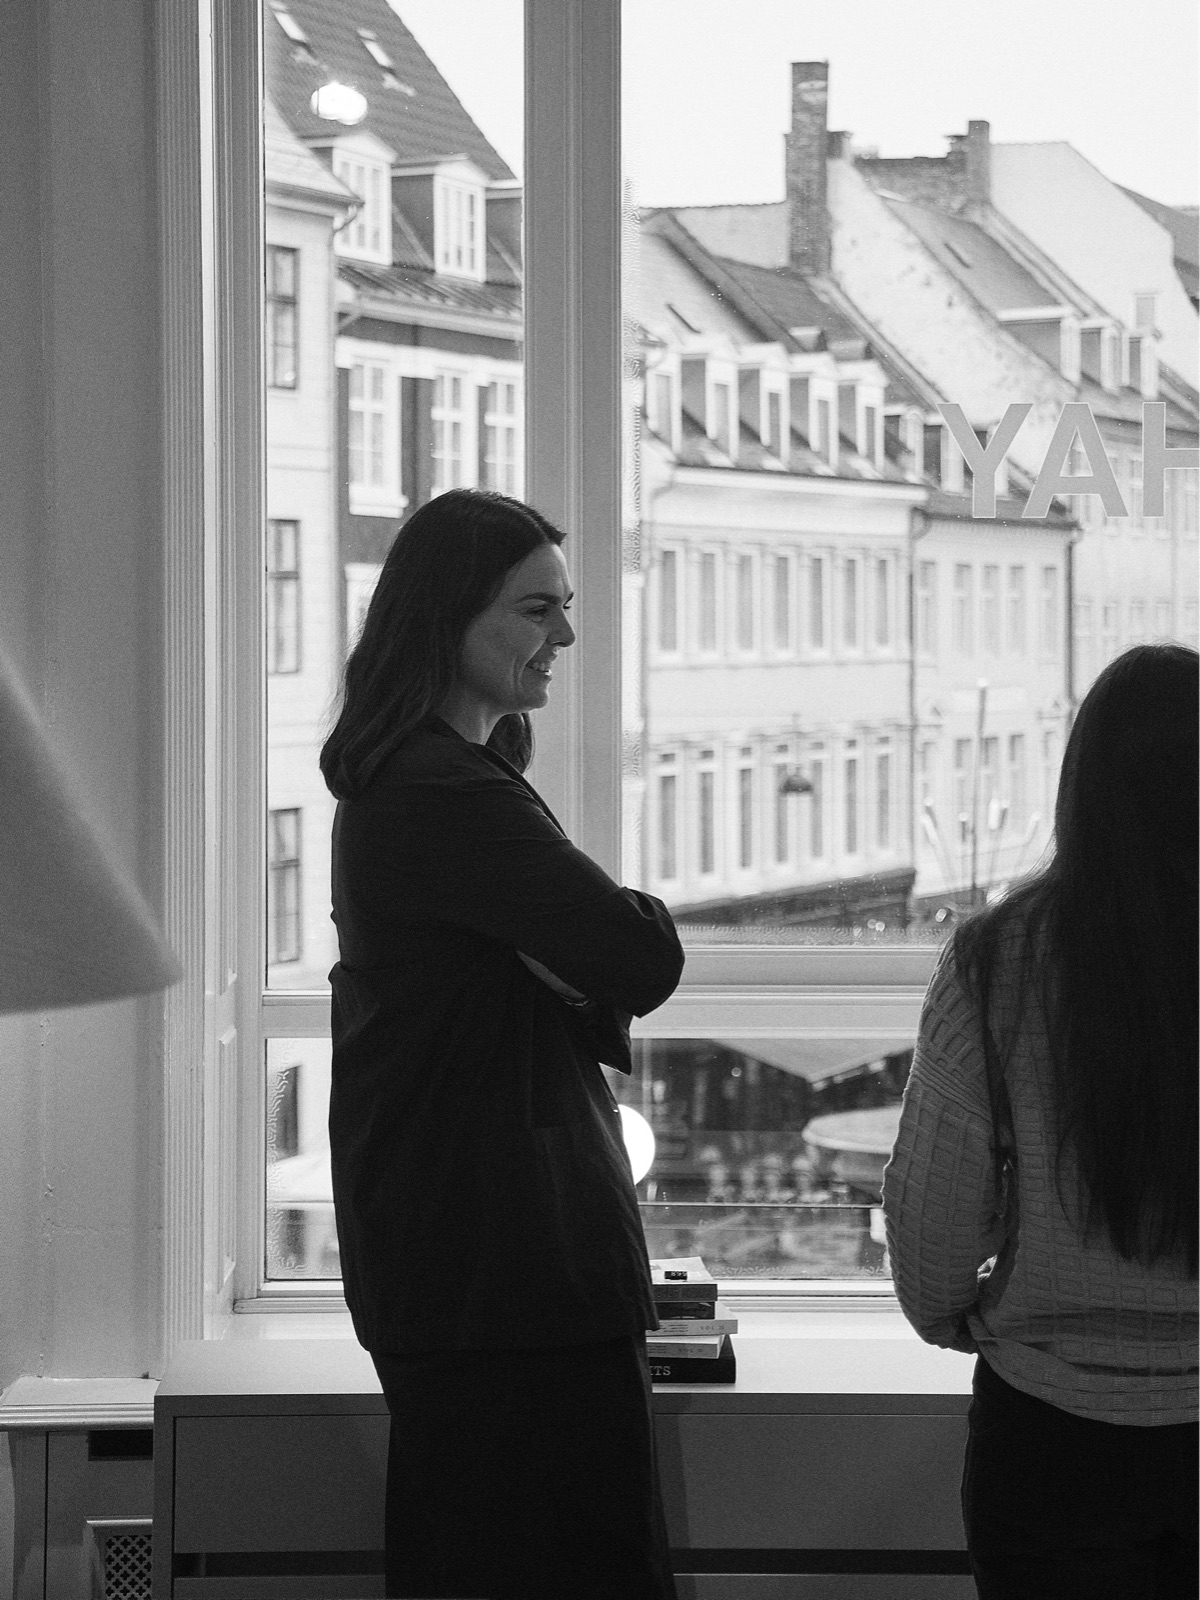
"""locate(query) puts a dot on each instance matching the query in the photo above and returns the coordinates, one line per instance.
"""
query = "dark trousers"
(1059, 1507)
(524, 1475)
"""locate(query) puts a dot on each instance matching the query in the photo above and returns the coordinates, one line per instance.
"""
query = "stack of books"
(692, 1344)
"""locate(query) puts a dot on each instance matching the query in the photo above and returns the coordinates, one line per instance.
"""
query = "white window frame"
(787, 649)
(744, 604)
(501, 445)
(460, 221)
(364, 164)
(217, 1018)
(367, 497)
(709, 650)
(678, 556)
(446, 416)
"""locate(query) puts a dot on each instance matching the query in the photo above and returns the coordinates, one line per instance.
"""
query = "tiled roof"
(979, 262)
(1181, 222)
(413, 287)
(943, 503)
(422, 120)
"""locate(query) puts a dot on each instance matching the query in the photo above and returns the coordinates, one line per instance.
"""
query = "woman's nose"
(566, 633)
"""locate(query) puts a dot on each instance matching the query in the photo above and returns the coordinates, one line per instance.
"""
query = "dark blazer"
(482, 1190)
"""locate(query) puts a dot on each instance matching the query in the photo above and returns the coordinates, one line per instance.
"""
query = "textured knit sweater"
(1058, 1316)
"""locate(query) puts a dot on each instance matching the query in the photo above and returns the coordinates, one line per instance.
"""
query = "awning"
(817, 1059)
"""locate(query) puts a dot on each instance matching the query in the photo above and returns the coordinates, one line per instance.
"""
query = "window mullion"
(573, 373)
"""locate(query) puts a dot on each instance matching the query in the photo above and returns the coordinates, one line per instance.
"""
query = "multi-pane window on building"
(457, 228)
(781, 804)
(781, 602)
(283, 886)
(668, 817)
(990, 608)
(850, 603)
(932, 442)
(927, 608)
(1016, 610)
(367, 230)
(368, 425)
(668, 602)
(871, 432)
(745, 808)
(824, 430)
(1049, 773)
(706, 637)
(744, 611)
(774, 439)
(706, 813)
(282, 316)
(816, 807)
(501, 451)
(1191, 623)
(850, 797)
(1137, 621)
(883, 602)
(816, 603)
(1016, 780)
(1083, 639)
(962, 779)
(1162, 619)
(662, 391)
(883, 797)
(1110, 630)
(449, 426)
(722, 418)
(283, 596)
(989, 749)
(964, 607)
(1049, 622)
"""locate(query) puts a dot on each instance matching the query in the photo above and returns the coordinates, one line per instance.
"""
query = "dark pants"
(524, 1475)
(1059, 1507)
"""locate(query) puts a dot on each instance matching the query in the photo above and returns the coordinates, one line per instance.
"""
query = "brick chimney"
(806, 155)
(970, 163)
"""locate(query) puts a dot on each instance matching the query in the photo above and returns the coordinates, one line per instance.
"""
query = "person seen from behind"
(1041, 1199)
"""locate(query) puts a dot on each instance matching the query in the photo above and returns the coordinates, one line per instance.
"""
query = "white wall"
(80, 613)
(1097, 234)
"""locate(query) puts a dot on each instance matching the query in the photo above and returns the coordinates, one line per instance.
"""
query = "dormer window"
(364, 165)
(460, 246)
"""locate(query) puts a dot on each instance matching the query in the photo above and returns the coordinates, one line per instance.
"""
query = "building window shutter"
(481, 410)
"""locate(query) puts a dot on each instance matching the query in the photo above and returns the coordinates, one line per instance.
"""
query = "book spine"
(685, 1369)
(694, 1327)
(660, 1347)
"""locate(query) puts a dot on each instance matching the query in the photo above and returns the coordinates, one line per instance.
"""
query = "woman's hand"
(563, 990)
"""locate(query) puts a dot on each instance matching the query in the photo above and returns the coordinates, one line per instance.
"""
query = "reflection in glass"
(769, 1152)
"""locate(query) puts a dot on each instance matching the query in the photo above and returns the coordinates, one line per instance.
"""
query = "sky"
(707, 83)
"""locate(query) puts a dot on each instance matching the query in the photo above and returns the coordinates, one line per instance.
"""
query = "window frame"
(208, 61)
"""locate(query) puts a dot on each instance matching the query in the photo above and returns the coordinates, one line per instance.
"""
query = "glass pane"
(445, 82)
(769, 1153)
(796, 307)
(301, 1239)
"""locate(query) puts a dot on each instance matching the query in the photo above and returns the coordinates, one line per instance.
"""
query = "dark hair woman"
(492, 1252)
(1042, 1196)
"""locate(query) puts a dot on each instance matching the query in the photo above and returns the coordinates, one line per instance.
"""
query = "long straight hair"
(1109, 949)
(445, 566)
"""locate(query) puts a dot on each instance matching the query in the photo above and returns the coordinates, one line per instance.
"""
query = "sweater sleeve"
(483, 855)
(940, 1195)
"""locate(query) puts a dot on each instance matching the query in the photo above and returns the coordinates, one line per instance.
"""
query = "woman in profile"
(1041, 1200)
(492, 1252)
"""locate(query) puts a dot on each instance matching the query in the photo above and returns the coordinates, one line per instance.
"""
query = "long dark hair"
(1109, 948)
(445, 566)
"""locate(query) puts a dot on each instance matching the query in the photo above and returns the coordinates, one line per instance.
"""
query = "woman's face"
(508, 650)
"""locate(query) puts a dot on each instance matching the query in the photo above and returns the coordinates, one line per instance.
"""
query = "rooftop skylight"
(290, 26)
(374, 49)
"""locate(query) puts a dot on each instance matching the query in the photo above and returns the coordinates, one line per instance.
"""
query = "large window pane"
(394, 357)
(802, 306)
